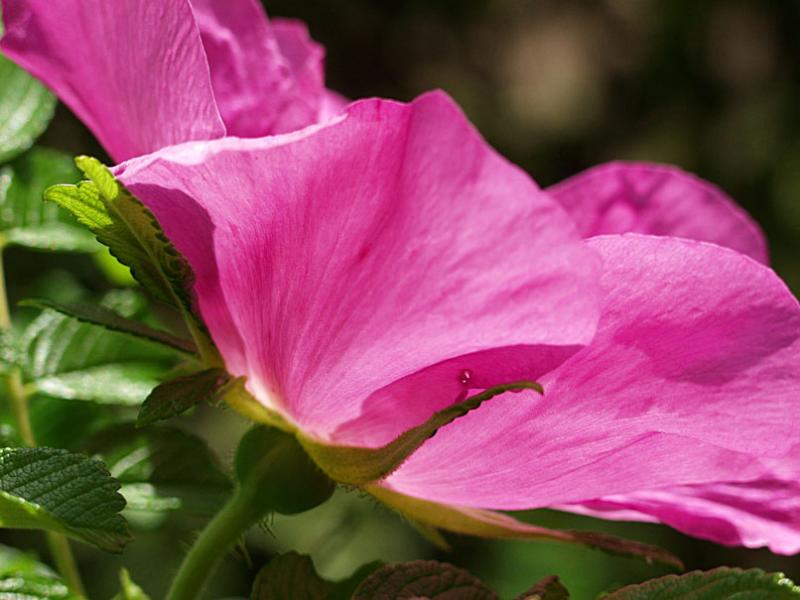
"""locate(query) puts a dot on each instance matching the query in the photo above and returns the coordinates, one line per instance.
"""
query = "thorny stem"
(18, 398)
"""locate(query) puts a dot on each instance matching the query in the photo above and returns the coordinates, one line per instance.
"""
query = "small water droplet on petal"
(465, 376)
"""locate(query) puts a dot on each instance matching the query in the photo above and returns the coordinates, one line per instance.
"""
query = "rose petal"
(134, 72)
(621, 197)
(348, 256)
(753, 514)
(694, 369)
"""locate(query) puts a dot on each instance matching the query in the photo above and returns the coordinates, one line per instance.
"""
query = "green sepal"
(718, 584)
(178, 395)
(359, 466)
(54, 490)
(234, 393)
(278, 472)
(490, 524)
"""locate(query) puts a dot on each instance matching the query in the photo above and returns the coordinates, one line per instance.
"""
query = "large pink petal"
(268, 77)
(751, 514)
(621, 197)
(691, 378)
(761, 512)
(134, 72)
(348, 256)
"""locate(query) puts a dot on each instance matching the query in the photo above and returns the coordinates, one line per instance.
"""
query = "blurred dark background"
(556, 86)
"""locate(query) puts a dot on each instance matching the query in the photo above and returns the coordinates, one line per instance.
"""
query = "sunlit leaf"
(46, 488)
(22, 577)
(719, 584)
(25, 218)
(133, 235)
(117, 383)
(26, 108)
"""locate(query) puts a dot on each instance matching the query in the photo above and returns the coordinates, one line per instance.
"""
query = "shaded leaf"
(724, 583)
(179, 395)
(490, 524)
(358, 466)
(25, 218)
(290, 575)
(105, 317)
(549, 588)
(344, 589)
(26, 108)
(128, 589)
(22, 577)
(133, 235)
(423, 579)
(162, 469)
(45, 488)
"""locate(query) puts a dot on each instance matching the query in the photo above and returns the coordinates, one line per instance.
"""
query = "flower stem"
(215, 540)
(18, 398)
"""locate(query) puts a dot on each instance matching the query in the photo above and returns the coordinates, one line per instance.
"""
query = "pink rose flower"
(365, 273)
(376, 266)
(144, 75)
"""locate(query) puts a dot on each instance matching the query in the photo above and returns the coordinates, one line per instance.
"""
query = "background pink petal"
(621, 197)
(268, 77)
(134, 72)
(355, 254)
(690, 379)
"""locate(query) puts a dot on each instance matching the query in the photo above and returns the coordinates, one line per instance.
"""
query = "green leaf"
(129, 590)
(132, 234)
(22, 577)
(549, 588)
(26, 108)
(423, 579)
(162, 469)
(66, 358)
(724, 583)
(45, 488)
(105, 317)
(179, 395)
(359, 466)
(290, 575)
(490, 524)
(121, 383)
(25, 219)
